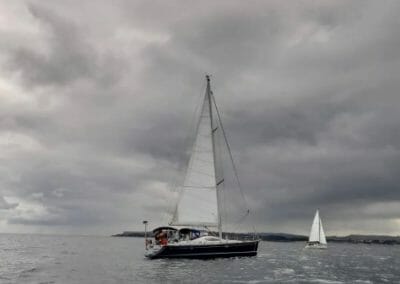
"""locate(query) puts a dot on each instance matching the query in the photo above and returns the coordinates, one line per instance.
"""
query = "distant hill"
(283, 237)
(137, 234)
(367, 239)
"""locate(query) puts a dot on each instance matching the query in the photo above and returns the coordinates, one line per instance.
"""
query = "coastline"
(283, 237)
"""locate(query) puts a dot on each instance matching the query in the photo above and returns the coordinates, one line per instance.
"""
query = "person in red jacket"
(163, 239)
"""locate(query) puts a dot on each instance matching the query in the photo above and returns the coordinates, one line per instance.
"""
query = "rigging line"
(243, 217)
(230, 152)
(231, 157)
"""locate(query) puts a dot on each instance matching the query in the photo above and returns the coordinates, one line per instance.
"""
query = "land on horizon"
(285, 237)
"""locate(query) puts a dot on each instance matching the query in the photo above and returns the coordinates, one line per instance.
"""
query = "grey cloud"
(70, 56)
(7, 205)
(308, 94)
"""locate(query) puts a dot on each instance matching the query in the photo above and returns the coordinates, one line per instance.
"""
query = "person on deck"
(163, 239)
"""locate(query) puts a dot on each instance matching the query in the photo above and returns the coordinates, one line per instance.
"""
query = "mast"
(208, 92)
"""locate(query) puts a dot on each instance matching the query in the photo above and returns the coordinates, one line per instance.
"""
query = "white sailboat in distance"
(317, 237)
(195, 230)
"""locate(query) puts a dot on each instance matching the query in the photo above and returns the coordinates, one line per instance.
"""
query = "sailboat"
(195, 230)
(317, 236)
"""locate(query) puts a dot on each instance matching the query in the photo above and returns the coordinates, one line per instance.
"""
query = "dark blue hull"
(247, 248)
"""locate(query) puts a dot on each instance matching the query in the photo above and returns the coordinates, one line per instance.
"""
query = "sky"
(97, 99)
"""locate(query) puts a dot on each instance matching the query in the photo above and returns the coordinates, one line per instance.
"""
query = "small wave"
(284, 271)
(254, 281)
(264, 254)
(27, 272)
(34, 269)
(325, 281)
(9, 249)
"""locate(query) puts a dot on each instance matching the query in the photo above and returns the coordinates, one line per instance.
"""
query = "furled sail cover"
(317, 232)
(198, 199)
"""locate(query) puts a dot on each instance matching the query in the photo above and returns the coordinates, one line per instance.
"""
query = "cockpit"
(167, 234)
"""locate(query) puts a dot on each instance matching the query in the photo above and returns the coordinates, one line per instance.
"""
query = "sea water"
(88, 259)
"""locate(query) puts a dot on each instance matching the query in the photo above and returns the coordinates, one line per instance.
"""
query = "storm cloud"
(97, 103)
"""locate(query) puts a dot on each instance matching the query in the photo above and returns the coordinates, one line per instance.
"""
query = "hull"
(316, 246)
(205, 251)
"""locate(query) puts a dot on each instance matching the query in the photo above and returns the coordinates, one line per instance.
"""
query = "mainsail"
(317, 232)
(198, 203)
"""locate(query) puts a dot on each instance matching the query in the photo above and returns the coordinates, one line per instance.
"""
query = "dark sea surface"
(84, 259)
